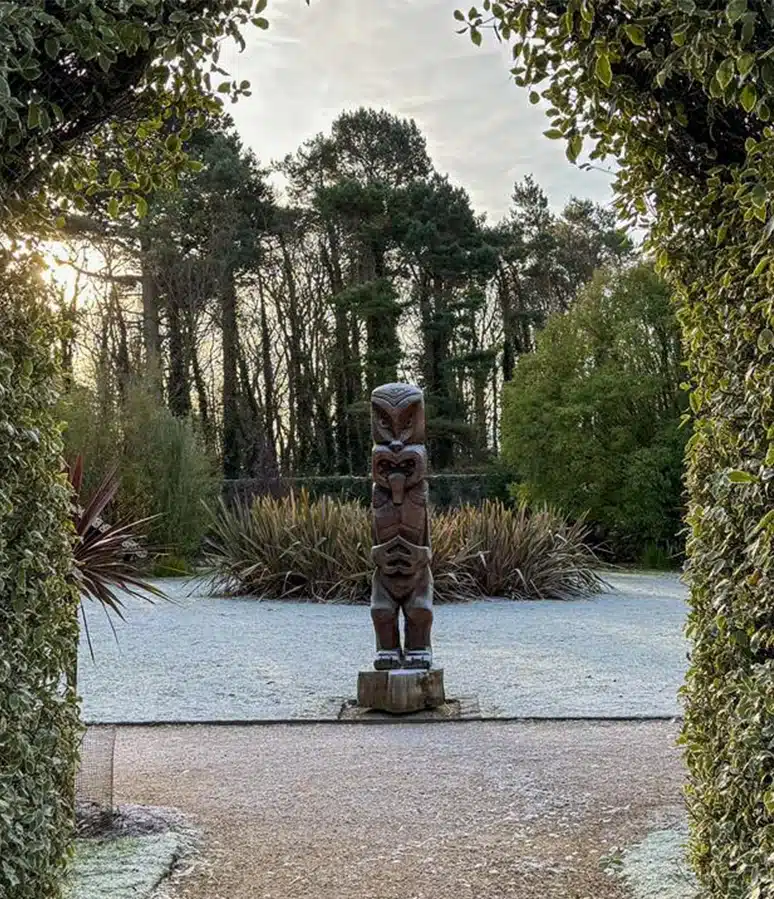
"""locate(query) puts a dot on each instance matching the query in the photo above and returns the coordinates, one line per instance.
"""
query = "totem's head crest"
(398, 415)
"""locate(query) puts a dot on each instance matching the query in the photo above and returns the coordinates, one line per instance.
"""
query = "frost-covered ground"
(122, 867)
(203, 658)
(657, 867)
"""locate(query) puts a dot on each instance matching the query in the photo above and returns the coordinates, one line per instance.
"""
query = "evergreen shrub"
(39, 721)
(164, 468)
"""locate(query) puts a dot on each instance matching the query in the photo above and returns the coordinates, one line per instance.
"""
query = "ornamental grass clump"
(528, 554)
(107, 558)
(299, 548)
(292, 548)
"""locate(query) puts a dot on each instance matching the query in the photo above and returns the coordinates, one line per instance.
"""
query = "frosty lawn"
(122, 867)
(204, 658)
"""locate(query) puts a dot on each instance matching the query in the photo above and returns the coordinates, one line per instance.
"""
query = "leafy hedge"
(681, 94)
(39, 725)
(448, 490)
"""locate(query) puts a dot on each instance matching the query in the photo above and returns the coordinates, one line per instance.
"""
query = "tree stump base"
(401, 690)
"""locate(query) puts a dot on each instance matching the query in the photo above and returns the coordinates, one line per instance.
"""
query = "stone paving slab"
(202, 658)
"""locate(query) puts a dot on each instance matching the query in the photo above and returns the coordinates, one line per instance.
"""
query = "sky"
(404, 56)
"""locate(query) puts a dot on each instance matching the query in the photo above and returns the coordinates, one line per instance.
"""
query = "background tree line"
(257, 327)
(270, 322)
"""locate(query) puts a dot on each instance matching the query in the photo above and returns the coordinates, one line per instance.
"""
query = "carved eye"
(407, 424)
(385, 422)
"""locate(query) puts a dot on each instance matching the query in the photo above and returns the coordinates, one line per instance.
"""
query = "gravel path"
(202, 658)
(448, 811)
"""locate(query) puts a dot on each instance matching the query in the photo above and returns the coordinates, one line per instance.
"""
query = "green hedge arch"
(39, 716)
(680, 95)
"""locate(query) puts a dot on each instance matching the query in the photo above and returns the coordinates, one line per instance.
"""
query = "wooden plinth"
(465, 708)
(401, 691)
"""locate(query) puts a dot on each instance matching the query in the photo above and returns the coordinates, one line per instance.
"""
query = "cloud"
(403, 55)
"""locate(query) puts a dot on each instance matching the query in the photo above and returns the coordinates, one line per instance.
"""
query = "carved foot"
(388, 659)
(418, 658)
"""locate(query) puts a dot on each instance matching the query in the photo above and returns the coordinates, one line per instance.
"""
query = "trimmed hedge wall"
(681, 93)
(447, 491)
(729, 693)
(39, 721)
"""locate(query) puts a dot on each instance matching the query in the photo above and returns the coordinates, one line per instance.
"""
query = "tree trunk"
(381, 321)
(123, 365)
(358, 451)
(437, 340)
(341, 380)
(511, 342)
(267, 370)
(151, 329)
(332, 263)
(325, 445)
(479, 406)
(230, 396)
(201, 396)
(69, 315)
(495, 407)
(178, 388)
(258, 458)
(302, 400)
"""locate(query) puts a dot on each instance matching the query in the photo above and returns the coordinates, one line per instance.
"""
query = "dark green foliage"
(545, 259)
(591, 418)
(450, 491)
(69, 68)
(297, 547)
(444, 242)
(164, 470)
(681, 94)
(39, 725)
(272, 320)
(374, 147)
(408, 262)
(376, 301)
(355, 181)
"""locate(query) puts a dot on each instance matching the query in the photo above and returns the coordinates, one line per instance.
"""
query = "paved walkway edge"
(296, 722)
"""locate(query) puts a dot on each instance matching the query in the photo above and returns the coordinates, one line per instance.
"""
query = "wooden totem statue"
(401, 531)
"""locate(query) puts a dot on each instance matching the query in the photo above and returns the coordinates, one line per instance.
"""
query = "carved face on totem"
(397, 415)
(398, 472)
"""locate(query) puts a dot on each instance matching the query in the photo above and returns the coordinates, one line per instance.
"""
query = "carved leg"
(418, 612)
(384, 614)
